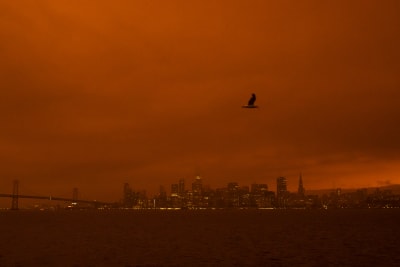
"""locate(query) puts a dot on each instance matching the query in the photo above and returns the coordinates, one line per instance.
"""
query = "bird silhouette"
(250, 104)
(252, 100)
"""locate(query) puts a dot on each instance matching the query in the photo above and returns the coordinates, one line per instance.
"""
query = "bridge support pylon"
(14, 203)
(75, 194)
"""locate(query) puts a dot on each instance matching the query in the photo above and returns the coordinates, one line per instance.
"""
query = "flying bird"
(250, 104)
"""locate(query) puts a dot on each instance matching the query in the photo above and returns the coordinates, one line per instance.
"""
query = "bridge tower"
(14, 204)
(75, 194)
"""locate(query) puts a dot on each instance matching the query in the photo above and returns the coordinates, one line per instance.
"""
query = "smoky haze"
(94, 94)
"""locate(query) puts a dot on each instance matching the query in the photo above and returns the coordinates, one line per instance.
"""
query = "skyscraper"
(197, 186)
(128, 196)
(301, 190)
(181, 187)
(281, 186)
(281, 191)
(174, 189)
(197, 191)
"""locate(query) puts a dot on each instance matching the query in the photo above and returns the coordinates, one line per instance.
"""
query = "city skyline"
(199, 195)
(151, 92)
(195, 185)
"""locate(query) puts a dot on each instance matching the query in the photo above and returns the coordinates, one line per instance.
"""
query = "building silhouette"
(197, 186)
(281, 192)
(197, 192)
(174, 190)
(260, 196)
(128, 196)
(301, 191)
(258, 189)
(162, 200)
(181, 187)
(256, 196)
(233, 194)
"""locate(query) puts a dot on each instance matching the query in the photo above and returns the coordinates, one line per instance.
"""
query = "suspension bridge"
(15, 196)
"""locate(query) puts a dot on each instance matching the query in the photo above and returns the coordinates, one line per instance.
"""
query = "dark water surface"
(201, 238)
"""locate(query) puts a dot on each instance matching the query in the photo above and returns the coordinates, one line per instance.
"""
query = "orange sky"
(97, 93)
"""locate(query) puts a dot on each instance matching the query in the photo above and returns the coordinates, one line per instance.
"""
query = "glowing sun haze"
(97, 93)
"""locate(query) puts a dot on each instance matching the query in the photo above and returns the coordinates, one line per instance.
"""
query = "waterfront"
(350, 237)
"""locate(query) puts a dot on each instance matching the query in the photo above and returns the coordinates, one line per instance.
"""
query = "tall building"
(281, 191)
(233, 194)
(197, 192)
(174, 189)
(128, 196)
(197, 186)
(301, 191)
(281, 186)
(181, 187)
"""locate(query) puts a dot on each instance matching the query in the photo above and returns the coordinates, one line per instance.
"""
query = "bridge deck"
(56, 199)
